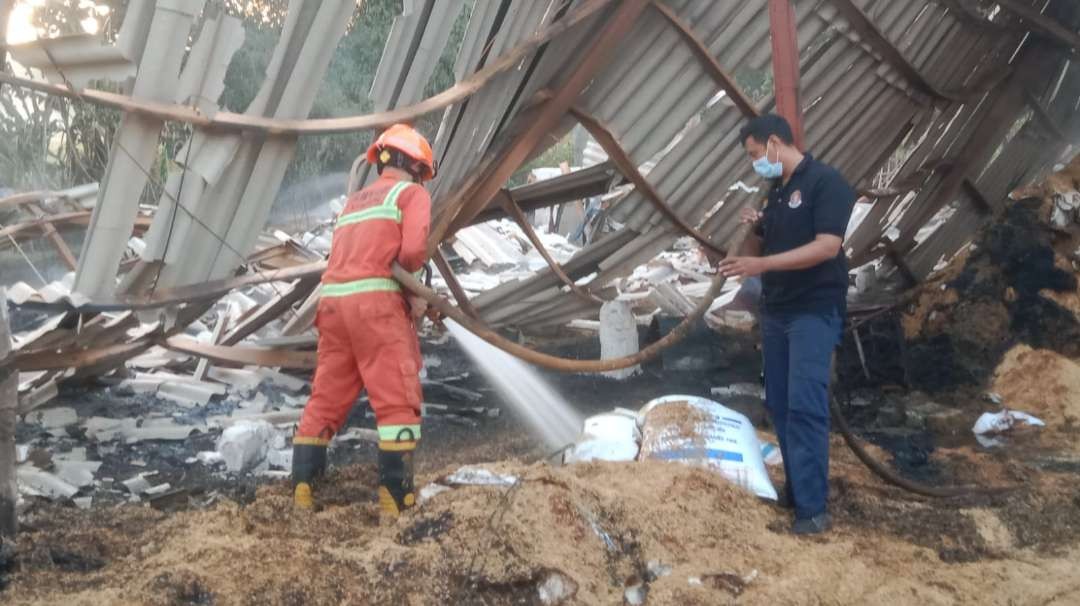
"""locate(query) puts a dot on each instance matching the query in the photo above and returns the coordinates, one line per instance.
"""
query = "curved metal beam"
(568, 364)
(519, 217)
(456, 289)
(629, 170)
(714, 69)
(249, 356)
(870, 34)
(321, 126)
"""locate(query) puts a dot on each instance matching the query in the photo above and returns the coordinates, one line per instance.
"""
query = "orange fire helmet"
(408, 141)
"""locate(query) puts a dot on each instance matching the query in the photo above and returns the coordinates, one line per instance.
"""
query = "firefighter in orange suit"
(367, 324)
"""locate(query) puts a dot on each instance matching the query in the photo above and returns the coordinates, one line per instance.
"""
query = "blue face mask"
(768, 170)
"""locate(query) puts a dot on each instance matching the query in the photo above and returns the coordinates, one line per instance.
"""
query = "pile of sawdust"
(581, 534)
(1016, 284)
(1040, 382)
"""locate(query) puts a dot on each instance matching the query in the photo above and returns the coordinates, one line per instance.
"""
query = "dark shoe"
(815, 525)
(783, 499)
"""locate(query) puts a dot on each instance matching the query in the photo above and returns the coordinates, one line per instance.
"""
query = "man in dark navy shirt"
(797, 249)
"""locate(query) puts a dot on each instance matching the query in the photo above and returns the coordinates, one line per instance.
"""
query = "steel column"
(785, 59)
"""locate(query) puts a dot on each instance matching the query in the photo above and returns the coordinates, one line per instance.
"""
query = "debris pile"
(1015, 284)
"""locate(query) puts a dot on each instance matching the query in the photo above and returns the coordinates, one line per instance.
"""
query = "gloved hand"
(418, 308)
(435, 316)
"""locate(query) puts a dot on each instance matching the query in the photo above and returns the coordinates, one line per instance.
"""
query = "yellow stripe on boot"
(302, 497)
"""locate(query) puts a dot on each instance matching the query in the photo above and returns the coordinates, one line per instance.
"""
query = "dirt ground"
(1003, 317)
(583, 534)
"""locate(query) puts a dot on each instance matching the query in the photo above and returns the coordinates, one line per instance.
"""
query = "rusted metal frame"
(270, 311)
(711, 65)
(202, 369)
(785, 61)
(519, 217)
(1042, 24)
(271, 256)
(481, 330)
(94, 357)
(456, 289)
(304, 318)
(49, 231)
(184, 317)
(629, 169)
(211, 290)
(229, 121)
(248, 356)
(26, 198)
(83, 217)
(878, 41)
(547, 193)
(582, 264)
(469, 201)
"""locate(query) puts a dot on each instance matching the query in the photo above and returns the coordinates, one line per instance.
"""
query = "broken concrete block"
(76, 473)
(160, 428)
(137, 484)
(104, 429)
(618, 336)
(84, 502)
(184, 394)
(51, 418)
(245, 444)
(35, 482)
(237, 379)
(156, 490)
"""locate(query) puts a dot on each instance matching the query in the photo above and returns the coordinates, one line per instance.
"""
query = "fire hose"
(676, 335)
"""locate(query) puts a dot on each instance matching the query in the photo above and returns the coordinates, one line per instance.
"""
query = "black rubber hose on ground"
(891, 477)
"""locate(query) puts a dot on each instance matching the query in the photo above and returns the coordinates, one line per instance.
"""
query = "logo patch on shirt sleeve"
(795, 201)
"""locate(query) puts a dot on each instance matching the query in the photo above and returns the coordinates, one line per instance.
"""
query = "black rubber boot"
(396, 492)
(309, 464)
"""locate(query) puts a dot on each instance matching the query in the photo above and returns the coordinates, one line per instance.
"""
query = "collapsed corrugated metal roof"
(969, 98)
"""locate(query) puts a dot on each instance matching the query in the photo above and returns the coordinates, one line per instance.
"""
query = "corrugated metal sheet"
(932, 81)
